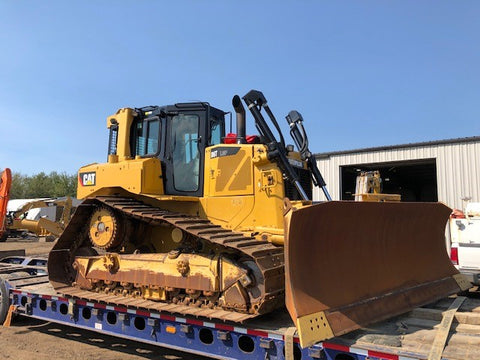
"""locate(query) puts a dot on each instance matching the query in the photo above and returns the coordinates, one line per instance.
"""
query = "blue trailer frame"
(204, 337)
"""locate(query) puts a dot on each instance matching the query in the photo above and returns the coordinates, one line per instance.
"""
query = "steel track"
(268, 258)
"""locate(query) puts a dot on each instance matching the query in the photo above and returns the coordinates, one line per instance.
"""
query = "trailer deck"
(406, 337)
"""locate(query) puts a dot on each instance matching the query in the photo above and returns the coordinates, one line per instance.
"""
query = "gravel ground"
(31, 245)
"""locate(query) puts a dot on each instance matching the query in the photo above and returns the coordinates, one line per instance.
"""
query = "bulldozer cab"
(178, 135)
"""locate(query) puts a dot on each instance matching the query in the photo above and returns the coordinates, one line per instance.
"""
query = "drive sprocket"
(103, 229)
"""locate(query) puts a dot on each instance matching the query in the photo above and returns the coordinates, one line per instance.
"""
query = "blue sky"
(362, 73)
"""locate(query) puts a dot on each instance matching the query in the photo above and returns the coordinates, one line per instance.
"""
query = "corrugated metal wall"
(458, 168)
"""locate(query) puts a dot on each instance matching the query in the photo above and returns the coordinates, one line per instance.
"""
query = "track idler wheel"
(104, 229)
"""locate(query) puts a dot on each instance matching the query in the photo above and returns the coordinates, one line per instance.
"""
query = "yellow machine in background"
(185, 219)
(369, 188)
(17, 221)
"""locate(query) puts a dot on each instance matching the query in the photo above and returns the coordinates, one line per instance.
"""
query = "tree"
(42, 185)
(17, 190)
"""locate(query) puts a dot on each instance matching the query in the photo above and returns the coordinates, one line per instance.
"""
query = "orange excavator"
(5, 184)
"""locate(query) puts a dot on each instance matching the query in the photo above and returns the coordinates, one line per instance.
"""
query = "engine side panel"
(244, 190)
(137, 176)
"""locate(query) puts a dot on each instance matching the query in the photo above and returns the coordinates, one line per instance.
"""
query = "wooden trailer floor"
(414, 332)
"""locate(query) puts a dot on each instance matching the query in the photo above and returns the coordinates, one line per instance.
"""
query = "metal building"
(445, 170)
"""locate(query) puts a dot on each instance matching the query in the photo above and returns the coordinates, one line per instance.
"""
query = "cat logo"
(87, 178)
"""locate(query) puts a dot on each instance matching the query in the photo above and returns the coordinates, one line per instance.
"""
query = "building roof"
(402, 146)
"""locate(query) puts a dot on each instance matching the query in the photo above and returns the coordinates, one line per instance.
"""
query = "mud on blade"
(349, 264)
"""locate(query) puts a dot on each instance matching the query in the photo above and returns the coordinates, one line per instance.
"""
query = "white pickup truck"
(465, 241)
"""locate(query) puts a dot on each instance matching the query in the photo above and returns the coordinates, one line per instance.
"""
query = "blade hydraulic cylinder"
(255, 100)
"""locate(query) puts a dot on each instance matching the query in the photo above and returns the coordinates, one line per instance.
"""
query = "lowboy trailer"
(25, 291)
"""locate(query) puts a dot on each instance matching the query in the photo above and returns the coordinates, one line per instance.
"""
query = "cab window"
(147, 135)
(185, 154)
(216, 132)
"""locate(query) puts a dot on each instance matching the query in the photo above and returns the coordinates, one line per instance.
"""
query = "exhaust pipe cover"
(241, 120)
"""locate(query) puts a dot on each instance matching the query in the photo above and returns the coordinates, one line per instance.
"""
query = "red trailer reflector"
(454, 255)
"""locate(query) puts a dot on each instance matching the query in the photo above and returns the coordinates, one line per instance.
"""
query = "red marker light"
(454, 255)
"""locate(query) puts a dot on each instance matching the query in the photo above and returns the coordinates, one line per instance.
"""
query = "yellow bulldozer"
(185, 218)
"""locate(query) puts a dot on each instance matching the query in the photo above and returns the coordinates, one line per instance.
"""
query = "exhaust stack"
(241, 122)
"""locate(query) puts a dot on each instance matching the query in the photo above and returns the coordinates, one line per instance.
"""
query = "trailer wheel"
(4, 295)
(4, 300)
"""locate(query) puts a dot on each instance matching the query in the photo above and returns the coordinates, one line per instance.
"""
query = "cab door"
(184, 154)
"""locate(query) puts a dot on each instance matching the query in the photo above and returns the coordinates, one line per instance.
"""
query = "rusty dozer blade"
(349, 264)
